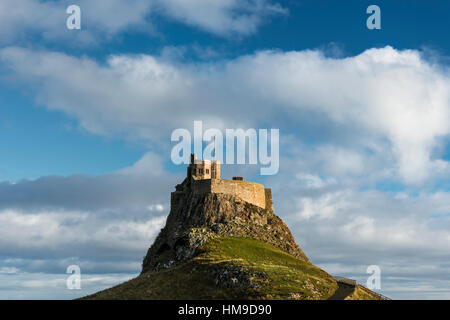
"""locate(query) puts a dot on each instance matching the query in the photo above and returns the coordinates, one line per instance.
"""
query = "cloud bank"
(392, 102)
(103, 223)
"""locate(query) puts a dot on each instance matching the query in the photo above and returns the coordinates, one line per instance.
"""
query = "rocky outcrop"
(201, 217)
(230, 276)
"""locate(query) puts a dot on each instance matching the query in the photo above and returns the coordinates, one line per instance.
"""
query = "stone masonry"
(203, 177)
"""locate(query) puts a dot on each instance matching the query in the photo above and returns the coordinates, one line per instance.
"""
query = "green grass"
(286, 277)
(362, 293)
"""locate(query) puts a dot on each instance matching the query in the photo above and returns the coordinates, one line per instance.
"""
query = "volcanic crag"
(222, 240)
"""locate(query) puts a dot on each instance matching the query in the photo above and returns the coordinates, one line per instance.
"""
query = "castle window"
(207, 171)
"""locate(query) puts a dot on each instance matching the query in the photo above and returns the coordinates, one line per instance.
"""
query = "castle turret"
(203, 169)
(203, 177)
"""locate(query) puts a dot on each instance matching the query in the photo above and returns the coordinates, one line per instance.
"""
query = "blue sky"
(86, 117)
(337, 27)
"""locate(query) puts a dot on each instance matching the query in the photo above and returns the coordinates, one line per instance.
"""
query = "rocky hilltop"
(209, 216)
(219, 245)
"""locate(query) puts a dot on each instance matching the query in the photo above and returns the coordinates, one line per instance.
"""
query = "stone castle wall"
(201, 186)
(250, 192)
(269, 202)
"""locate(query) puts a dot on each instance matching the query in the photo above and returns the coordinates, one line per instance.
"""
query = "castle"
(203, 177)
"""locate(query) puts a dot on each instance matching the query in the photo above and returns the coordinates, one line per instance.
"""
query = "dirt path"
(343, 291)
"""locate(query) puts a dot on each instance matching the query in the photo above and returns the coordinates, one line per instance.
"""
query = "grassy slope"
(286, 276)
(362, 293)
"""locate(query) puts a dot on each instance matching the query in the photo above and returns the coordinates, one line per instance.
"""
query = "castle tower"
(215, 169)
(203, 177)
(203, 169)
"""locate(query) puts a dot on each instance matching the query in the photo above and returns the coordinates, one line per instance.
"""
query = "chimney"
(193, 158)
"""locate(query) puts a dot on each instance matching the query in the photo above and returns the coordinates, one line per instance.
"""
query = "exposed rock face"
(229, 276)
(206, 216)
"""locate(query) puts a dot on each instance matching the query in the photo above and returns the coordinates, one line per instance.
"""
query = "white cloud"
(392, 103)
(324, 207)
(343, 162)
(8, 270)
(21, 20)
(313, 181)
(127, 188)
(54, 232)
(53, 285)
(373, 221)
(344, 231)
(223, 17)
(103, 223)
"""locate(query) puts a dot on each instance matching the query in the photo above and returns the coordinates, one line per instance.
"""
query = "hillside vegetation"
(230, 268)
